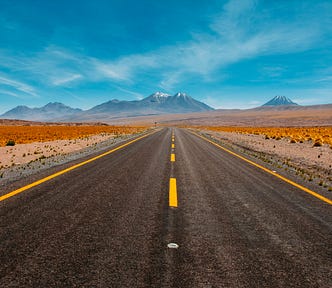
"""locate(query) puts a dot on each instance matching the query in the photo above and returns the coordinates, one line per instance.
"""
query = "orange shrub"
(29, 134)
(295, 134)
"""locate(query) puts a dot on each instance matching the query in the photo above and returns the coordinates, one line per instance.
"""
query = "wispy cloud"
(235, 36)
(126, 67)
(18, 86)
(325, 79)
(138, 96)
(66, 80)
(237, 32)
(11, 94)
(272, 71)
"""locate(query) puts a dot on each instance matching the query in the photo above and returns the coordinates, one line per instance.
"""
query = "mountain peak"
(280, 101)
(157, 97)
(160, 94)
(54, 104)
(181, 94)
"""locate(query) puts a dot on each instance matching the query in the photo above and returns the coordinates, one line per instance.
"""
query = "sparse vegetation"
(10, 143)
(317, 143)
(321, 135)
(304, 160)
(30, 134)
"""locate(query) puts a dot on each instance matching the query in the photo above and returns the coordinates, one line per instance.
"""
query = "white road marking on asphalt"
(172, 245)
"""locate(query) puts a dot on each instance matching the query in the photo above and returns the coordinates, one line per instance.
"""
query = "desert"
(27, 147)
(297, 140)
(283, 149)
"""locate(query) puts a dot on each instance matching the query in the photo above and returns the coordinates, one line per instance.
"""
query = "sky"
(228, 54)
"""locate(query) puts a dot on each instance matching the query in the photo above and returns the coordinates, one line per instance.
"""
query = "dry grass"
(317, 135)
(30, 134)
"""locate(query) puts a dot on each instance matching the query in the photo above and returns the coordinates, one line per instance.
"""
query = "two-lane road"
(108, 223)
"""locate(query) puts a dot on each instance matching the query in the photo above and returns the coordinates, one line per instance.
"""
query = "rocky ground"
(312, 164)
(26, 159)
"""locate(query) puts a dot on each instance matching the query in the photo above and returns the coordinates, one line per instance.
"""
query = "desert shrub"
(29, 134)
(317, 144)
(300, 134)
(10, 143)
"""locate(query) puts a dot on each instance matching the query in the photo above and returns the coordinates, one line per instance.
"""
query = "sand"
(25, 153)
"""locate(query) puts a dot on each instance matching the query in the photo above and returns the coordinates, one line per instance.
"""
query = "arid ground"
(311, 163)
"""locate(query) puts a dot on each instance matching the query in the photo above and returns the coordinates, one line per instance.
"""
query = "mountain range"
(157, 103)
(48, 112)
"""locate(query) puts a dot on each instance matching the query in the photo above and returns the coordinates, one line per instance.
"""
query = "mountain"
(280, 101)
(157, 97)
(179, 103)
(157, 103)
(51, 111)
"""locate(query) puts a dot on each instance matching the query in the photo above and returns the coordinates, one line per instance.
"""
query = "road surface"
(108, 223)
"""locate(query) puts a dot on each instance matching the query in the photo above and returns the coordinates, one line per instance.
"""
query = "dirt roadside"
(312, 164)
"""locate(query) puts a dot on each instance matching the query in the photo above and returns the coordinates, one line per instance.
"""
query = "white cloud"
(325, 79)
(137, 95)
(236, 33)
(236, 37)
(18, 86)
(9, 93)
(169, 80)
(67, 79)
(124, 68)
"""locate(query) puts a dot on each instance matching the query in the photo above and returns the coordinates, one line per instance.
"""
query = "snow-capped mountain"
(157, 103)
(157, 97)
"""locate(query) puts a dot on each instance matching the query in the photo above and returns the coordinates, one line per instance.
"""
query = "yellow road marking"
(173, 196)
(173, 145)
(172, 157)
(22, 189)
(313, 193)
(172, 139)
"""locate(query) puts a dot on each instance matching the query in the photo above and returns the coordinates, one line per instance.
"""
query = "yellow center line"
(173, 197)
(36, 183)
(313, 193)
(172, 157)
(173, 146)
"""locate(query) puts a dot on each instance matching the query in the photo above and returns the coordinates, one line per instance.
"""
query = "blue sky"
(229, 54)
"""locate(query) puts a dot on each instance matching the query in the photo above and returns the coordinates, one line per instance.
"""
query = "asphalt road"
(108, 223)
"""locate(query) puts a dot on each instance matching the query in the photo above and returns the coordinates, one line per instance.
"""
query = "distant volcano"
(280, 101)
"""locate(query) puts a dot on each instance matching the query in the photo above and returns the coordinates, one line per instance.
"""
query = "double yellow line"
(36, 183)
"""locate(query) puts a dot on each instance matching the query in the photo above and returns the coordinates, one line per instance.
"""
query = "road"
(108, 223)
